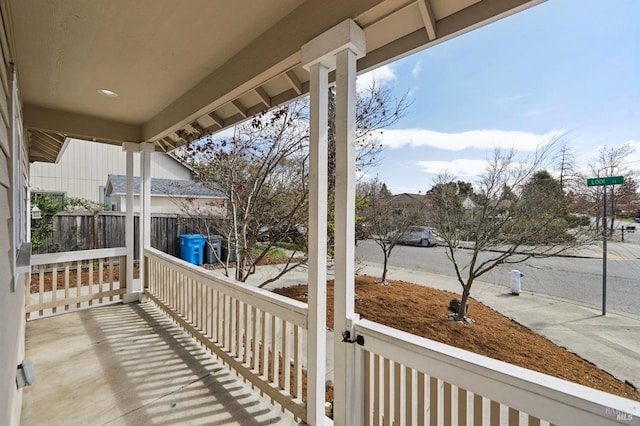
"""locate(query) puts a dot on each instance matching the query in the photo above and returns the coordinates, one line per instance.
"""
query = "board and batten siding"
(13, 190)
(83, 168)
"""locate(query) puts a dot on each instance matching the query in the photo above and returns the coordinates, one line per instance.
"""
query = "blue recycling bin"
(192, 248)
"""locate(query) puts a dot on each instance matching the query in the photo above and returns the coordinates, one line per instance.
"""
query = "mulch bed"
(423, 311)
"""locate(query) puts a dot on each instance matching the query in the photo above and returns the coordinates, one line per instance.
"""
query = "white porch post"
(346, 42)
(133, 289)
(145, 205)
(347, 406)
(317, 334)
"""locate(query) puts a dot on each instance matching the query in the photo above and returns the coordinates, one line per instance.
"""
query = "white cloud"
(462, 168)
(382, 76)
(478, 139)
(417, 69)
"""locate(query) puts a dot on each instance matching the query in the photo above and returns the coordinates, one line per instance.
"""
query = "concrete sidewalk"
(611, 342)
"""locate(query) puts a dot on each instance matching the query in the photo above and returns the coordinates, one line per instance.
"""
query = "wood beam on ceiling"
(41, 140)
(294, 81)
(264, 97)
(41, 153)
(219, 121)
(428, 18)
(57, 138)
(240, 108)
(169, 142)
(42, 148)
(269, 55)
(199, 131)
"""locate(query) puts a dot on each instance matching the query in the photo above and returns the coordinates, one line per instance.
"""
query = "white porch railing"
(409, 380)
(257, 333)
(76, 279)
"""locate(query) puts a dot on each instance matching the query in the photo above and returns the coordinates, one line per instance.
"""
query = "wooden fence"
(75, 231)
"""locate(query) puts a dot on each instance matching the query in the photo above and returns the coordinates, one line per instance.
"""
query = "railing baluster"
(111, 278)
(274, 351)
(54, 286)
(286, 357)
(41, 288)
(255, 345)
(67, 268)
(78, 281)
(264, 345)
(101, 277)
(235, 327)
(297, 360)
(377, 396)
(368, 389)
(246, 332)
(91, 281)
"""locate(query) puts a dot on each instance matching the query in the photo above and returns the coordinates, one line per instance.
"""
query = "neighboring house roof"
(117, 185)
(407, 197)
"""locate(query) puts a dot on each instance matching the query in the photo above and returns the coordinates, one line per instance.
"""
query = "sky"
(564, 67)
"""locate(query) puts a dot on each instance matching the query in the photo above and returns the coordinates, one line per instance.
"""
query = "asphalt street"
(577, 279)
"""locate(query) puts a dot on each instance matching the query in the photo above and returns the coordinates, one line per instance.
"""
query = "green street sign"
(611, 180)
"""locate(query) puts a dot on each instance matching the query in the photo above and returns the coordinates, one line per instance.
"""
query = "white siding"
(84, 166)
(12, 315)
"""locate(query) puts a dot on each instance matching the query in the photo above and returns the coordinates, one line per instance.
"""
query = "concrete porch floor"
(130, 365)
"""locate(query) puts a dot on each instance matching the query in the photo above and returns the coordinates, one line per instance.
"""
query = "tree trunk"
(463, 302)
(385, 267)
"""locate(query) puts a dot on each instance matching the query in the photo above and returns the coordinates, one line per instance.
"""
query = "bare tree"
(509, 226)
(262, 169)
(565, 164)
(386, 223)
(609, 162)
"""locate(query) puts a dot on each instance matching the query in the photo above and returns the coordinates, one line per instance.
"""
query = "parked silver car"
(420, 235)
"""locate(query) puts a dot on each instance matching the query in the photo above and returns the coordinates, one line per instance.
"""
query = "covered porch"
(275, 345)
(193, 352)
(129, 364)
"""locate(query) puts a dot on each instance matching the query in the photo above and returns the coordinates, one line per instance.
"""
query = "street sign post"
(605, 181)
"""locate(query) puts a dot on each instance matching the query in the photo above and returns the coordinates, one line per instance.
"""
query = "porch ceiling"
(184, 69)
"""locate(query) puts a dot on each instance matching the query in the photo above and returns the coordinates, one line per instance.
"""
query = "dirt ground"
(423, 311)
(73, 278)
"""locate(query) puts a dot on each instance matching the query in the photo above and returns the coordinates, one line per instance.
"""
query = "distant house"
(168, 196)
(81, 170)
(407, 200)
(468, 204)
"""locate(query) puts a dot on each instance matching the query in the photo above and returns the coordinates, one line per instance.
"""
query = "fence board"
(75, 231)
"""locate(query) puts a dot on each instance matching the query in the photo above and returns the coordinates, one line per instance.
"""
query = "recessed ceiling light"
(107, 92)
